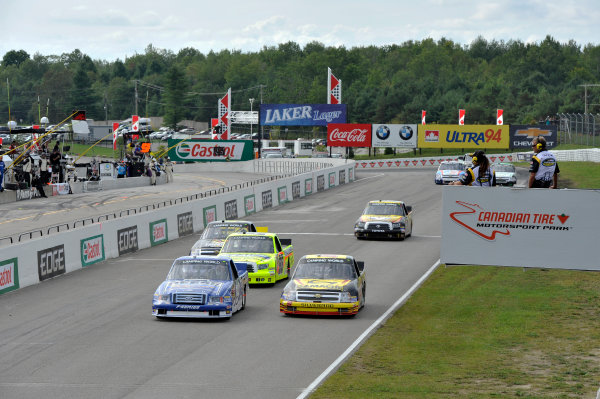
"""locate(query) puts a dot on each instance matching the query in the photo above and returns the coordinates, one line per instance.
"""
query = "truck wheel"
(244, 300)
(288, 270)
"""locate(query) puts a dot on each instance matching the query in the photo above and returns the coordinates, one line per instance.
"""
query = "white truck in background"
(273, 152)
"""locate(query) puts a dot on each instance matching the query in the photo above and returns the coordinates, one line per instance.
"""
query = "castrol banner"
(466, 136)
(210, 150)
(9, 275)
(349, 135)
(520, 227)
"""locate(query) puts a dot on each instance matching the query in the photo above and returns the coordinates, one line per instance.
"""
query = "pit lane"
(90, 333)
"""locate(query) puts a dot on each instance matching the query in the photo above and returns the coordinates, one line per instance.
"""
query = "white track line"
(366, 334)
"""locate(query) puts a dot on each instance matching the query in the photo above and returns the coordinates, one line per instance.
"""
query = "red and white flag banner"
(461, 116)
(224, 106)
(499, 117)
(334, 89)
(135, 123)
(115, 127)
(423, 113)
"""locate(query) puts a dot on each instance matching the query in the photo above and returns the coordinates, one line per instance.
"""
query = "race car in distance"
(385, 219)
(202, 286)
(506, 174)
(333, 285)
(449, 171)
(269, 259)
(215, 233)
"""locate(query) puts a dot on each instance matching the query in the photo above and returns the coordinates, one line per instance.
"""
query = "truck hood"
(208, 287)
(318, 284)
(506, 175)
(381, 218)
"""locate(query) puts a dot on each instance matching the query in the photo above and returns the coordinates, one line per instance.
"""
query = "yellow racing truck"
(269, 258)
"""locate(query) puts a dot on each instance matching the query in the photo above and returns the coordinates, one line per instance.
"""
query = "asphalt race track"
(90, 333)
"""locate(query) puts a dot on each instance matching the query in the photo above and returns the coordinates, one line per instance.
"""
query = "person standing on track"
(169, 170)
(543, 172)
(480, 174)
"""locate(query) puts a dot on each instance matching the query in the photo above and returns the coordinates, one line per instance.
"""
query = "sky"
(109, 30)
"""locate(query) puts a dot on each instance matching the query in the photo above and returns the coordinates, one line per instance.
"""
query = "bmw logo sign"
(383, 132)
(406, 132)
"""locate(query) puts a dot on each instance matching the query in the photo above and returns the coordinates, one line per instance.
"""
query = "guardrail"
(53, 229)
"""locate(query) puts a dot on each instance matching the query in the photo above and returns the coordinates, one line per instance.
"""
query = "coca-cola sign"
(348, 135)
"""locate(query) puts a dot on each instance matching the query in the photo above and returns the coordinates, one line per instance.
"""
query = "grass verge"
(482, 332)
(486, 332)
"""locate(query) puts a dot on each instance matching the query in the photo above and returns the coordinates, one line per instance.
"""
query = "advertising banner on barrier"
(466, 136)
(211, 150)
(92, 250)
(250, 204)
(520, 227)
(521, 136)
(9, 275)
(349, 135)
(127, 240)
(394, 135)
(159, 232)
(209, 214)
(302, 114)
(185, 224)
(51, 262)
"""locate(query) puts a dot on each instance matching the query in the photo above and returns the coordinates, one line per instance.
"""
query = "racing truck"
(268, 258)
(202, 286)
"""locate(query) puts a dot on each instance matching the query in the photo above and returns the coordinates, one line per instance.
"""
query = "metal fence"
(579, 129)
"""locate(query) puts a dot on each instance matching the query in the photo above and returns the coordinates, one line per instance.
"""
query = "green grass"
(486, 332)
(579, 175)
(481, 332)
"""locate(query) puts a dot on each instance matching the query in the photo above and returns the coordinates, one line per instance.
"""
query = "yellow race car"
(331, 285)
(385, 219)
(269, 259)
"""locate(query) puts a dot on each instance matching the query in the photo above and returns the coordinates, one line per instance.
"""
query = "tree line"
(386, 84)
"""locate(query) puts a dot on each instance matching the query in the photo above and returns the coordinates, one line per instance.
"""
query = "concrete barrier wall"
(37, 260)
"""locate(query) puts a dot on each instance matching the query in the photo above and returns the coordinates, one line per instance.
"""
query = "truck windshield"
(323, 269)
(248, 244)
(383, 209)
(199, 270)
(221, 231)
